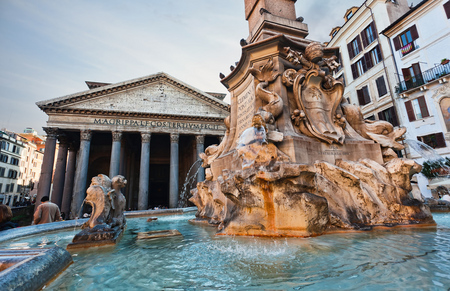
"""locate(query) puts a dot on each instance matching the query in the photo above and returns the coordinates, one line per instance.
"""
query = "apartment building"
(366, 69)
(420, 42)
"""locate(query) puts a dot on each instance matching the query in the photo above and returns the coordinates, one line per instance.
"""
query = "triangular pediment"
(156, 94)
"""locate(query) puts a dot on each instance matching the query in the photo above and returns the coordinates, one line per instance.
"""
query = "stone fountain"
(107, 221)
(298, 159)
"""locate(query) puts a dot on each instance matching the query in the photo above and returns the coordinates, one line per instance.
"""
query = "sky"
(49, 48)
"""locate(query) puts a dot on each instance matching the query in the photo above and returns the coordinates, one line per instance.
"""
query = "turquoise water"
(401, 259)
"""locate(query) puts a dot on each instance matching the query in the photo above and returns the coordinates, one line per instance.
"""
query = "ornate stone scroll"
(317, 95)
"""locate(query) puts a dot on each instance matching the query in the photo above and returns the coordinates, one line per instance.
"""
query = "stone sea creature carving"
(107, 201)
(380, 131)
(107, 219)
(266, 75)
(317, 95)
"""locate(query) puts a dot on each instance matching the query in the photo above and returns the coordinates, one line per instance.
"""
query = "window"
(413, 76)
(349, 15)
(447, 9)
(371, 117)
(405, 41)
(5, 145)
(2, 172)
(7, 188)
(359, 68)
(381, 86)
(417, 109)
(19, 188)
(435, 140)
(3, 158)
(354, 47)
(1, 186)
(11, 189)
(12, 174)
(14, 161)
(368, 35)
(389, 115)
(363, 96)
(375, 55)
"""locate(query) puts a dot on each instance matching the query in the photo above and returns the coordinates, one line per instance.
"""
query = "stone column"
(200, 149)
(114, 165)
(45, 180)
(144, 171)
(79, 188)
(60, 171)
(174, 165)
(69, 179)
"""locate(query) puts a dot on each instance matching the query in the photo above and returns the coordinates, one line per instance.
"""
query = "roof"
(126, 85)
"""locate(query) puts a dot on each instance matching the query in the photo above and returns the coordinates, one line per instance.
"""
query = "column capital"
(174, 137)
(86, 134)
(52, 132)
(116, 135)
(63, 139)
(145, 136)
(200, 139)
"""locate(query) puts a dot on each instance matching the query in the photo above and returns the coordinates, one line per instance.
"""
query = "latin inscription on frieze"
(246, 108)
(156, 124)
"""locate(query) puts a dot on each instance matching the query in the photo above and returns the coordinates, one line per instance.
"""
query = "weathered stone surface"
(35, 268)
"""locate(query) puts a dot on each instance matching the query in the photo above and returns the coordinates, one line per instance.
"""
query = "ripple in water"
(398, 259)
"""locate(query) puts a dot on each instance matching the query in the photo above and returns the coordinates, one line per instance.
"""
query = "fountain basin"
(396, 258)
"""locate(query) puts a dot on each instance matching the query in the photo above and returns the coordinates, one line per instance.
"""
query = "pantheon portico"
(149, 129)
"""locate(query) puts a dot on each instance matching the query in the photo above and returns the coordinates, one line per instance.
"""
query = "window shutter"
(447, 9)
(374, 29)
(351, 54)
(360, 97)
(381, 86)
(397, 44)
(354, 71)
(410, 111)
(423, 107)
(358, 40)
(406, 74)
(365, 90)
(394, 116)
(378, 48)
(414, 33)
(440, 140)
(364, 37)
(368, 61)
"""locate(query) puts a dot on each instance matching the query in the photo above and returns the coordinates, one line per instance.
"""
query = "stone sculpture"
(327, 169)
(107, 220)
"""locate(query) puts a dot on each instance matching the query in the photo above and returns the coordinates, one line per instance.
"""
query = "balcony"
(424, 78)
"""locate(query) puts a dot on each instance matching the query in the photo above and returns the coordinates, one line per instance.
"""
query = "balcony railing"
(423, 78)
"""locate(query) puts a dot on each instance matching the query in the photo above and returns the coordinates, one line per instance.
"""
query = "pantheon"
(149, 129)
